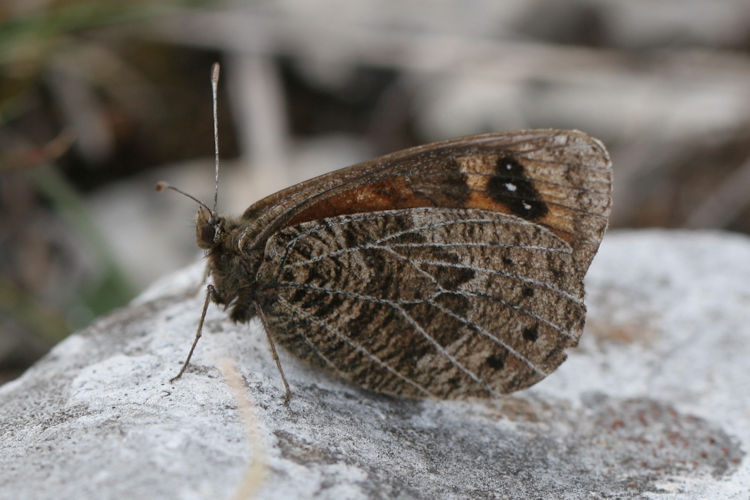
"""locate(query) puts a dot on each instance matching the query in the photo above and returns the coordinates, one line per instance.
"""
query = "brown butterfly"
(449, 270)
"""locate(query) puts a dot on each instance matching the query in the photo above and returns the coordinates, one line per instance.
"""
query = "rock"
(653, 401)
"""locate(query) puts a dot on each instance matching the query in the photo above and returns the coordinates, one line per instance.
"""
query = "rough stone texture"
(654, 402)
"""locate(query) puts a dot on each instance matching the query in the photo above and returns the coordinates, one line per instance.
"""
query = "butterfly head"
(209, 228)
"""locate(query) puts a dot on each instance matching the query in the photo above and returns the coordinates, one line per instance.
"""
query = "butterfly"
(449, 270)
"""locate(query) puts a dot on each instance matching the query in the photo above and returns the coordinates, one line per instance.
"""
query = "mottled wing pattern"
(424, 302)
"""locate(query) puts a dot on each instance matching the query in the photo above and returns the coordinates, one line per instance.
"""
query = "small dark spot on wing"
(496, 362)
(531, 333)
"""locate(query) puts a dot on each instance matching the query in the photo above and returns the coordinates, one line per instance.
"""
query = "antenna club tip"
(215, 67)
(161, 186)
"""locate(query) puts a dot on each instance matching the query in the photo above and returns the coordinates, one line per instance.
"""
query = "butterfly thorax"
(230, 265)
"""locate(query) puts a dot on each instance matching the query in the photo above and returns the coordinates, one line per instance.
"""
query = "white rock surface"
(655, 402)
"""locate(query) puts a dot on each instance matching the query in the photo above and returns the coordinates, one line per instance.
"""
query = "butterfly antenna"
(161, 186)
(214, 91)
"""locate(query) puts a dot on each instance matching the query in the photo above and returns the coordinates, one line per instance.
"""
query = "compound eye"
(208, 233)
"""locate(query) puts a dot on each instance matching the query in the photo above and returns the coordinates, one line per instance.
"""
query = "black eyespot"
(511, 186)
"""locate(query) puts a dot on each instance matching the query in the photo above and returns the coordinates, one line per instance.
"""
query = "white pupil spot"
(526, 206)
(510, 186)
(508, 166)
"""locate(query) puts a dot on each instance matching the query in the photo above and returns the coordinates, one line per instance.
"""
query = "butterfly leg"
(210, 291)
(288, 395)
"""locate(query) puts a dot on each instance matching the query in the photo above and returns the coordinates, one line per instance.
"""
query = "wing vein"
(375, 215)
(536, 180)
(356, 346)
(515, 197)
(484, 270)
(440, 349)
(492, 337)
(520, 309)
(445, 353)
(467, 322)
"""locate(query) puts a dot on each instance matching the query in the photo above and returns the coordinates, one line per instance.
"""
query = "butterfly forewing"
(560, 179)
(422, 302)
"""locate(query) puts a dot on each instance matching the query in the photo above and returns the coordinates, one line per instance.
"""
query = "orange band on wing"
(388, 194)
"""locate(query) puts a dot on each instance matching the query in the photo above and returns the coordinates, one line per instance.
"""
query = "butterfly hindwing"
(442, 302)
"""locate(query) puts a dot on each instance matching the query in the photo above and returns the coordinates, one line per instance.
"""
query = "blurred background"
(100, 99)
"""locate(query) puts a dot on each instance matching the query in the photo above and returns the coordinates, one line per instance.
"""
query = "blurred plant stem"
(112, 288)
